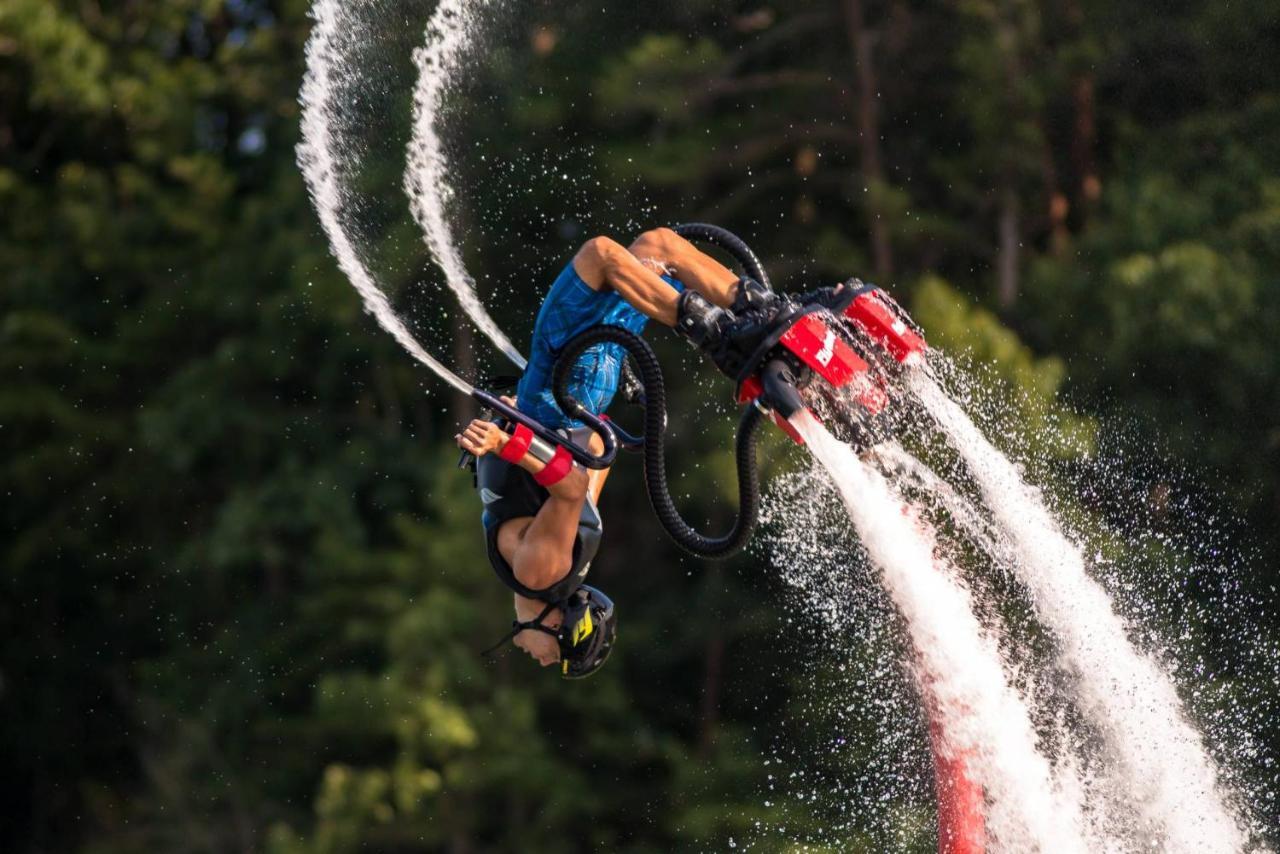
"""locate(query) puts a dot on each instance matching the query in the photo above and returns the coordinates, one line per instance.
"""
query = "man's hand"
(481, 437)
(542, 646)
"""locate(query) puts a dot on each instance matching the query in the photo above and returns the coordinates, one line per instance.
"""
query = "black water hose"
(655, 425)
(729, 242)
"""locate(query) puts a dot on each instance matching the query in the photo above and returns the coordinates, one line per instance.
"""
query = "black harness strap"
(517, 627)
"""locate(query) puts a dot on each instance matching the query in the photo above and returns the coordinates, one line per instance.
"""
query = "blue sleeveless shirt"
(572, 306)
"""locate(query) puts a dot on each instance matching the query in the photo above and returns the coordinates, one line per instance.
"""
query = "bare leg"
(696, 269)
(602, 262)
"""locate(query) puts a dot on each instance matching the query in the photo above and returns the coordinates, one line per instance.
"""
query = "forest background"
(243, 583)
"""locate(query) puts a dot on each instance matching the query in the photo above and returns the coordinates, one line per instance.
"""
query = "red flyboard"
(750, 389)
(873, 313)
(819, 347)
(788, 429)
(873, 398)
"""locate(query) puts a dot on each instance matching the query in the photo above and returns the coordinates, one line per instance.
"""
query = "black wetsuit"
(509, 492)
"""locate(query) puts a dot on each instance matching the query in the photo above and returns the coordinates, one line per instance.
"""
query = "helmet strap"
(518, 626)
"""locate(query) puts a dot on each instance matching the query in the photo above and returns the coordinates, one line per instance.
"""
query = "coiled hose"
(655, 424)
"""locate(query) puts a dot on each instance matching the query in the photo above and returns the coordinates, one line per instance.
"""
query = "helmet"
(588, 629)
(587, 632)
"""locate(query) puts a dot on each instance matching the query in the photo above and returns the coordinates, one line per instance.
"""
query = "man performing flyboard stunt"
(541, 524)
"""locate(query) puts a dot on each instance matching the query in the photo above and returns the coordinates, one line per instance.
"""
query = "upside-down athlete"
(541, 524)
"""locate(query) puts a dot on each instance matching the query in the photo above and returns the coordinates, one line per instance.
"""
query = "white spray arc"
(1168, 774)
(324, 172)
(449, 35)
(959, 509)
(984, 718)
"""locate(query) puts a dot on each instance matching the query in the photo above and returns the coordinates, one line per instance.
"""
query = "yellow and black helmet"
(587, 632)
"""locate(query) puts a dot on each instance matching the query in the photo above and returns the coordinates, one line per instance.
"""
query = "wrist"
(514, 447)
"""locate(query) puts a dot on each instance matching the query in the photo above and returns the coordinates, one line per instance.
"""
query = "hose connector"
(780, 392)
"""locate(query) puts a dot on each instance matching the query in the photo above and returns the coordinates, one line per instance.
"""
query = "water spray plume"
(449, 35)
(960, 510)
(1166, 770)
(324, 173)
(981, 718)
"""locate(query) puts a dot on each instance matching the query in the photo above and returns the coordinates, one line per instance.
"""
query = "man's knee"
(600, 249)
(595, 258)
(661, 244)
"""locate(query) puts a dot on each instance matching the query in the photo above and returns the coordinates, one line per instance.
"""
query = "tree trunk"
(1084, 141)
(1058, 205)
(1007, 261)
(1084, 132)
(862, 41)
(711, 691)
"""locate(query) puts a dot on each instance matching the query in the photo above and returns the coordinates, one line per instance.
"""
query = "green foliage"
(1172, 312)
(651, 78)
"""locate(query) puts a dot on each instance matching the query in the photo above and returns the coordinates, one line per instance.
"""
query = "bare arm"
(529, 562)
(484, 437)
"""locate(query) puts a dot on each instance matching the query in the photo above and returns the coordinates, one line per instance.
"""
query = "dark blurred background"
(243, 583)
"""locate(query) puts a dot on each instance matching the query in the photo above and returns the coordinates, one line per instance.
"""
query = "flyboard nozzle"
(780, 393)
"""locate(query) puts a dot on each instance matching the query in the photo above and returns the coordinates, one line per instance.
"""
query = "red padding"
(518, 445)
(556, 470)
